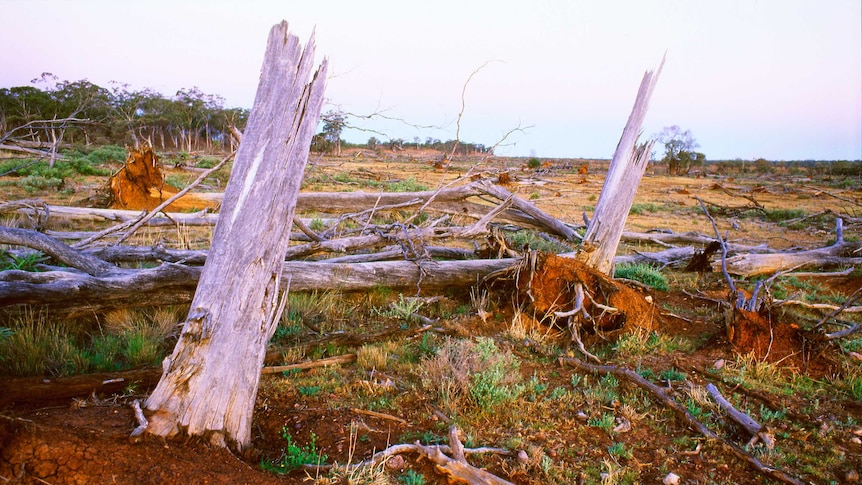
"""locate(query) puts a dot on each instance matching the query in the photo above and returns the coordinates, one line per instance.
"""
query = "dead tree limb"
(54, 248)
(456, 468)
(338, 359)
(680, 410)
(840, 253)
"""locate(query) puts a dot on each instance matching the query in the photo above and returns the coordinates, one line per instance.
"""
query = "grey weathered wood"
(744, 420)
(621, 183)
(74, 293)
(448, 201)
(210, 381)
(59, 251)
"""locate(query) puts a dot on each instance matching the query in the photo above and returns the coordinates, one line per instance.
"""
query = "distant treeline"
(80, 112)
(838, 168)
(85, 113)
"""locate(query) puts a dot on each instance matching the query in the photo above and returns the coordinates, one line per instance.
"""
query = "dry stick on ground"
(456, 468)
(33, 208)
(660, 394)
(176, 196)
(338, 359)
(116, 228)
(754, 428)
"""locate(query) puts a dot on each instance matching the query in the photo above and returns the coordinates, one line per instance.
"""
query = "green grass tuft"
(645, 273)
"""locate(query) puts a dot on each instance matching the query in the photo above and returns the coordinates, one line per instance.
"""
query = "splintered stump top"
(550, 287)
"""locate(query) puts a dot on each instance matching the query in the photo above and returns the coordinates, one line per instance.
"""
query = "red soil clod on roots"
(549, 286)
(140, 185)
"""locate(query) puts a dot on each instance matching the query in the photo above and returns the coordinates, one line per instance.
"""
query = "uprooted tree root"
(566, 289)
(140, 185)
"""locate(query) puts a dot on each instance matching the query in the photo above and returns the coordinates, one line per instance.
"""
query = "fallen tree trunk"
(840, 253)
(451, 201)
(72, 293)
(19, 390)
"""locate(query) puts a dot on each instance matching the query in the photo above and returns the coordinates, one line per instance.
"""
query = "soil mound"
(140, 185)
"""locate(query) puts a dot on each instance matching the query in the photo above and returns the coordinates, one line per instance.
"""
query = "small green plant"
(558, 393)
(672, 375)
(781, 215)
(308, 391)
(641, 343)
(767, 414)
(294, 456)
(534, 163)
(475, 375)
(411, 477)
(317, 224)
(407, 185)
(619, 450)
(527, 239)
(645, 273)
(176, 181)
(403, 309)
(695, 409)
(5, 333)
(27, 262)
(639, 209)
(606, 422)
(36, 183)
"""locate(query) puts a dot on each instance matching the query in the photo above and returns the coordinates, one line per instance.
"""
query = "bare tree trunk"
(210, 381)
(621, 184)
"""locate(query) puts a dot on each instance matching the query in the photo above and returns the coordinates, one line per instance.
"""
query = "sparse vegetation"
(495, 375)
(294, 456)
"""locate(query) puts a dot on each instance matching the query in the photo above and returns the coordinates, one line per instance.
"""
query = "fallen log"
(23, 390)
(451, 201)
(840, 253)
(71, 293)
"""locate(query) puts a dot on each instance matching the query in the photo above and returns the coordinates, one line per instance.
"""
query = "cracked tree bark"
(211, 379)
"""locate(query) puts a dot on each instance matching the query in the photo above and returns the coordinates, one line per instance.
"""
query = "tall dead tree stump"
(210, 381)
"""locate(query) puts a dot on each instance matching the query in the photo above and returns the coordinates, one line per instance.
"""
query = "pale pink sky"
(778, 79)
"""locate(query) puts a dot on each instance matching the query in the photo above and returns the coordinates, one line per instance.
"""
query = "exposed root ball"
(757, 333)
(548, 283)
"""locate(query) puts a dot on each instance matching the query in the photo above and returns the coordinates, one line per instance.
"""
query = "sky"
(774, 79)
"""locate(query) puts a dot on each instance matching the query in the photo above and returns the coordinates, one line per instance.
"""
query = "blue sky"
(778, 79)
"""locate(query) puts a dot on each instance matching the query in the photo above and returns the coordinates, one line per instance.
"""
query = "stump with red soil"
(763, 336)
(554, 286)
(140, 185)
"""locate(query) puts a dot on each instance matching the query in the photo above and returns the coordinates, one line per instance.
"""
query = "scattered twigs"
(176, 196)
(843, 308)
(338, 359)
(456, 468)
(119, 227)
(662, 396)
(138, 432)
